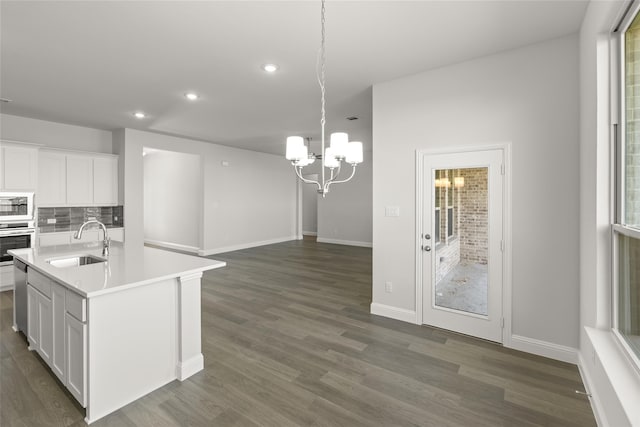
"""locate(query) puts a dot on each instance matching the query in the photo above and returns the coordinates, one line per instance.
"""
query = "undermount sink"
(75, 261)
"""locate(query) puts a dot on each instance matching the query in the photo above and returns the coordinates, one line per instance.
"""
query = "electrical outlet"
(388, 287)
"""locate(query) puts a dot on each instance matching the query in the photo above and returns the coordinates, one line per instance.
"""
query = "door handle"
(427, 248)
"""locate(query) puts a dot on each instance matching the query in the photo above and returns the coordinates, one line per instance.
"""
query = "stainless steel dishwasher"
(20, 295)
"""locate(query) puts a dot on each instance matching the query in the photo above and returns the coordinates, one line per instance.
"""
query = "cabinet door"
(52, 179)
(19, 168)
(33, 322)
(58, 365)
(79, 180)
(105, 181)
(45, 328)
(76, 343)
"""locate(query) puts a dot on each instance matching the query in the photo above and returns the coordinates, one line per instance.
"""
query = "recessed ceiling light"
(139, 115)
(191, 96)
(270, 68)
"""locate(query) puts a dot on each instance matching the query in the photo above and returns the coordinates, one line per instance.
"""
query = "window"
(626, 230)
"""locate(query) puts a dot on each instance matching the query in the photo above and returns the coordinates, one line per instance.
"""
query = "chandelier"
(340, 149)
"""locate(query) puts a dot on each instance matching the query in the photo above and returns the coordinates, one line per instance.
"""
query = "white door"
(462, 241)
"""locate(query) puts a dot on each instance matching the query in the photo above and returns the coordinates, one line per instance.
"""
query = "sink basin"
(75, 261)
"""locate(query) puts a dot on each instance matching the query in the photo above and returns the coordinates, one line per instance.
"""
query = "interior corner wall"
(345, 215)
(55, 135)
(528, 97)
(172, 199)
(248, 198)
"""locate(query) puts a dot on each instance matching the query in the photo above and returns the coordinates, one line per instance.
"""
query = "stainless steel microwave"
(16, 206)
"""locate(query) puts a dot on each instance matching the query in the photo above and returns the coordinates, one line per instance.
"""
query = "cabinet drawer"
(76, 306)
(39, 282)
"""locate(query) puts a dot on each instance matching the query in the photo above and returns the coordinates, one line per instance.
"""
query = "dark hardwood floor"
(288, 341)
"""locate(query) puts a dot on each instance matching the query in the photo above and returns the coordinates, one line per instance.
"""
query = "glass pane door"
(461, 253)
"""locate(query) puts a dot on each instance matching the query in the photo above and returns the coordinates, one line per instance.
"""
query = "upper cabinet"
(52, 179)
(105, 180)
(80, 180)
(77, 179)
(19, 164)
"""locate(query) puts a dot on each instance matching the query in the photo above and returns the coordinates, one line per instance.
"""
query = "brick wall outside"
(632, 93)
(473, 218)
(447, 258)
(469, 242)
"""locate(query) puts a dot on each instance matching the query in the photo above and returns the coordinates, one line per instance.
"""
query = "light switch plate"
(392, 211)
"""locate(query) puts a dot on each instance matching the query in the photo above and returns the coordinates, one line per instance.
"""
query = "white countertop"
(127, 266)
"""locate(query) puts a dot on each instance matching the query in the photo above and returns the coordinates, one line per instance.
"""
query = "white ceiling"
(94, 63)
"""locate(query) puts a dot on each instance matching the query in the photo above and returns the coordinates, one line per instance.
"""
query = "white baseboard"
(589, 385)
(309, 233)
(543, 348)
(344, 242)
(393, 312)
(189, 367)
(169, 245)
(207, 252)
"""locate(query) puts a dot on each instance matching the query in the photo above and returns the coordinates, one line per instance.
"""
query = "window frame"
(618, 172)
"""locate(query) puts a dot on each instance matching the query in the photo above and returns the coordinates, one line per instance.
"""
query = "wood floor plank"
(288, 340)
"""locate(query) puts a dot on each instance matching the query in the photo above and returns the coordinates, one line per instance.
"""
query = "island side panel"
(190, 359)
(132, 345)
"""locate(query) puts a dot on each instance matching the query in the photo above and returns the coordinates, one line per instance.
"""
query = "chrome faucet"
(106, 243)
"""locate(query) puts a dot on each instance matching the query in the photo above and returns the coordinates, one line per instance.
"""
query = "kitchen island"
(114, 328)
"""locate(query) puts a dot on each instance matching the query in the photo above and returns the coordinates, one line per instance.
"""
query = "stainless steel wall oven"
(15, 235)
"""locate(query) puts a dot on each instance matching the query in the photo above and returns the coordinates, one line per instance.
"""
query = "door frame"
(507, 252)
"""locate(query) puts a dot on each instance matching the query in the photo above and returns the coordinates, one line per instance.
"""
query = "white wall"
(173, 199)
(251, 201)
(55, 135)
(528, 97)
(344, 215)
(310, 206)
(608, 375)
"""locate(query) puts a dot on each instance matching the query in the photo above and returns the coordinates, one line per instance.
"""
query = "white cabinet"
(33, 323)
(58, 365)
(76, 366)
(52, 179)
(19, 167)
(79, 180)
(40, 328)
(69, 178)
(45, 328)
(105, 180)
(6, 278)
(57, 330)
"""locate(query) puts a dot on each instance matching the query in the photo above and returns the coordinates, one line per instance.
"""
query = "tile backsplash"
(67, 219)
